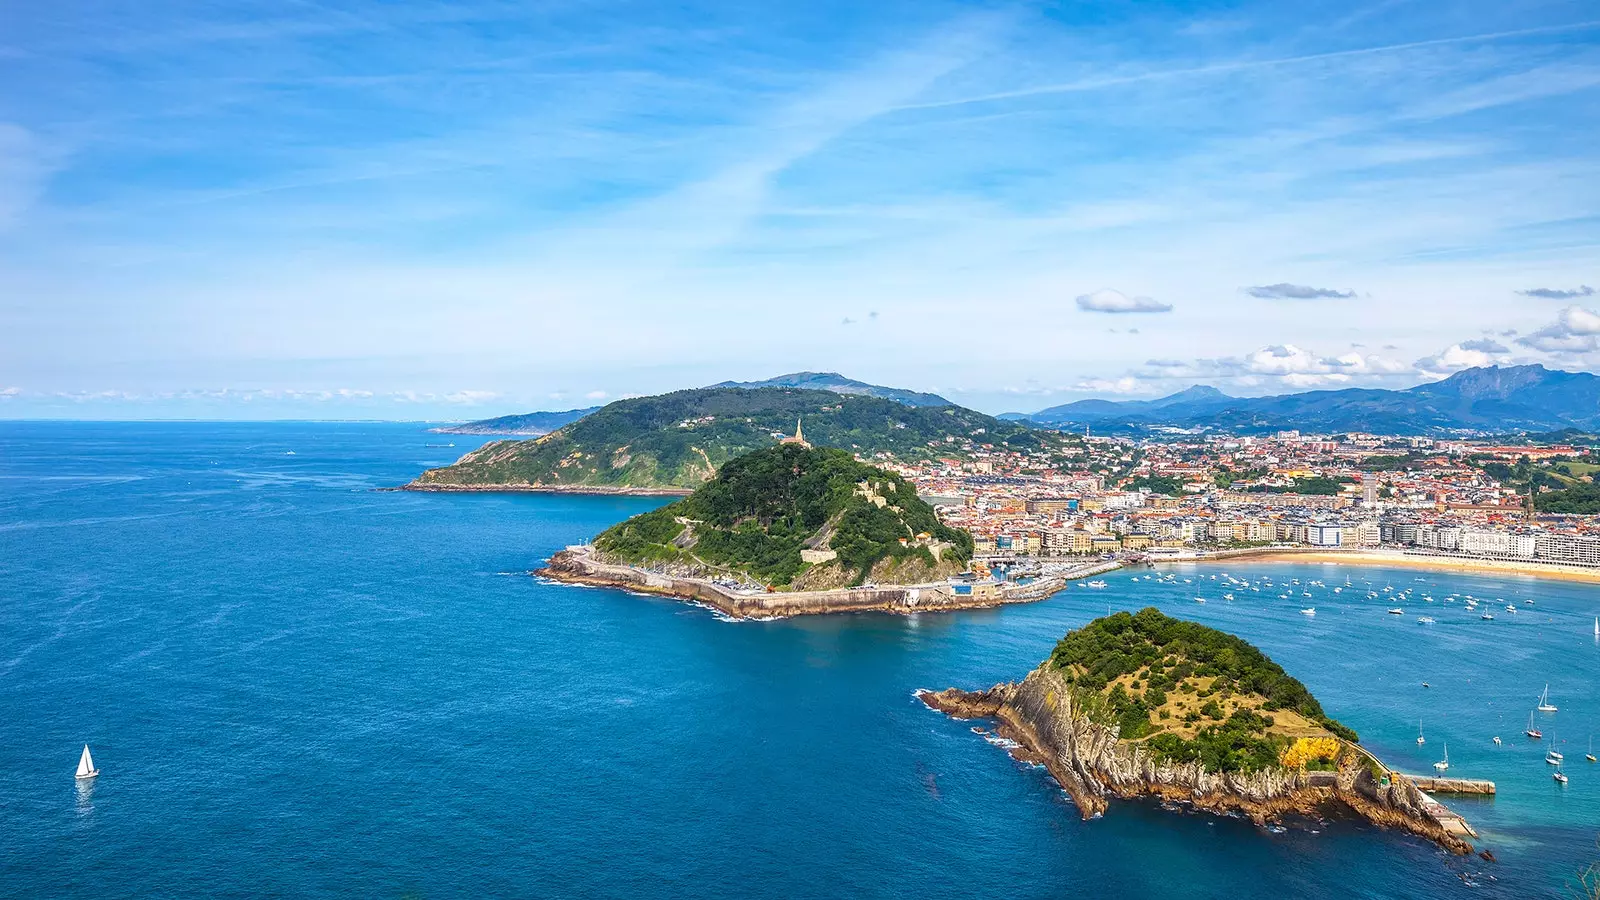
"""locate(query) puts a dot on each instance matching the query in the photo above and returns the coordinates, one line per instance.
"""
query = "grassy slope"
(1189, 692)
(763, 508)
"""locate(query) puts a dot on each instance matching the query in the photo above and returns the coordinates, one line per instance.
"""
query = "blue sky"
(432, 210)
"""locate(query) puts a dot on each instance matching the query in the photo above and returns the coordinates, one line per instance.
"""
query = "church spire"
(799, 436)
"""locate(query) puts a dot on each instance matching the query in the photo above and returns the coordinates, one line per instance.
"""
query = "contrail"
(1098, 83)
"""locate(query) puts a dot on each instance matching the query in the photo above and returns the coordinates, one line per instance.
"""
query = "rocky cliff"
(1093, 765)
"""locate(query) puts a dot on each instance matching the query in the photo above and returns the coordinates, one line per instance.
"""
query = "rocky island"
(794, 530)
(1143, 705)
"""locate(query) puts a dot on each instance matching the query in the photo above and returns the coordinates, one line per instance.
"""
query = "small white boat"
(1590, 755)
(1310, 611)
(1554, 758)
(1420, 739)
(1227, 596)
(86, 767)
(1425, 620)
(1443, 764)
(1560, 777)
(1199, 599)
(1497, 740)
(1532, 731)
(1487, 617)
(1511, 609)
(1096, 584)
(1597, 627)
(1397, 611)
(1544, 701)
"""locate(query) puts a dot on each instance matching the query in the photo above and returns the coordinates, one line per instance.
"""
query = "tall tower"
(1369, 489)
(799, 436)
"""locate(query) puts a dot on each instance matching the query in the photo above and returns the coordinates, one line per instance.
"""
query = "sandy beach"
(1403, 560)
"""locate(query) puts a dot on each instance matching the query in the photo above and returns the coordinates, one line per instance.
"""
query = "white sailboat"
(1590, 755)
(86, 767)
(1420, 740)
(1544, 701)
(1443, 764)
(1597, 627)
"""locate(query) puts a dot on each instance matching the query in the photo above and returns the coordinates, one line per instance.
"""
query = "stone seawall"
(1092, 765)
(580, 566)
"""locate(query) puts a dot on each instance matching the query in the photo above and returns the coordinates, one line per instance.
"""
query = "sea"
(298, 684)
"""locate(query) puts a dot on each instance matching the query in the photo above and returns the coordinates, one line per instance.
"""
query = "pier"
(1452, 785)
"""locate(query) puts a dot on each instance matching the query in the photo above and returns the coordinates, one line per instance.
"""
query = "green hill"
(1189, 692)
(757, 515)
(679, 440)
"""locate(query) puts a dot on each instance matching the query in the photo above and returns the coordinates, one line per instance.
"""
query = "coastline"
(575, 489)
(578, 565)
(1400, 559)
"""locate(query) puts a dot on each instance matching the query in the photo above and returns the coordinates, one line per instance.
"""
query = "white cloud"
(595, 395)
(1575, 330)
(1465, 355)
(1124, 385)
(1283, 366)
(8, 392)
(1284, 291)
(1107, 300)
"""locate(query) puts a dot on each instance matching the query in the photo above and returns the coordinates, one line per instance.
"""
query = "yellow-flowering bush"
(1308, 750)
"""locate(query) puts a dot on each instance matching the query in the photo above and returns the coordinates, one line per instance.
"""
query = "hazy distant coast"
(589, 489)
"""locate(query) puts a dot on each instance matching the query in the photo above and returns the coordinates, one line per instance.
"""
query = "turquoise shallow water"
(298, 686)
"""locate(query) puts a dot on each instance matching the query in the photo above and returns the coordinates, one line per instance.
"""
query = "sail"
(85, 763)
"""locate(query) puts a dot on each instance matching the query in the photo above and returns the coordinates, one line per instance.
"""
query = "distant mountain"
(1492, 398)
(1190, 401)
(532, 424)
(833, 381)
(678, 441)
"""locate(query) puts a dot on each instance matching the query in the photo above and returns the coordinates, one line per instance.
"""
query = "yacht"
(1397, 611)
(1559, 776)
(86, 767)
(1420, 740)
(1425, 620)
(1531, 731)
(1309, 611)
(1443, 764)
(1544, 701)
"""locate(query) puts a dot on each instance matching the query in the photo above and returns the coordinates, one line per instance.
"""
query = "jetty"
(1450, 820)
(1452, 785)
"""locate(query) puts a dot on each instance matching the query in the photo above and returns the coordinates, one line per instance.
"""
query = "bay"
(298, 685)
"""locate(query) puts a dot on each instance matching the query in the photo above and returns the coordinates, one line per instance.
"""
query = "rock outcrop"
(1093, 765)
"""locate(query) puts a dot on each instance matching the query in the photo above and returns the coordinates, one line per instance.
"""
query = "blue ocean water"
(296, 685)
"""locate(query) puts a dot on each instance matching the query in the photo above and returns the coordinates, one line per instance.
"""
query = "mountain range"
(1484, 399)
